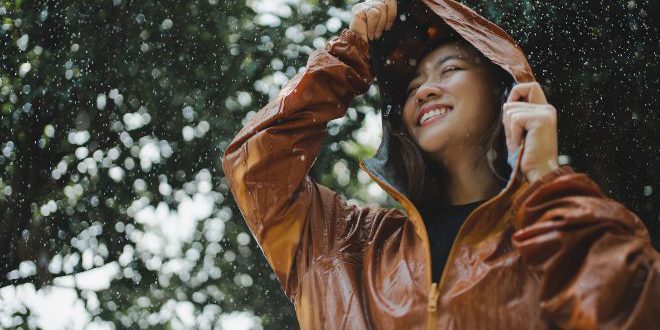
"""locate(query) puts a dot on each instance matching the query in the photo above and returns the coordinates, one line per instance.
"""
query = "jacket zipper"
(459, 237)
(435, 289)
(433, 298)
(434, 294)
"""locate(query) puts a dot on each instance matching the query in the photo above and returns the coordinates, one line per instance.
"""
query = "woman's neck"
(469, 179)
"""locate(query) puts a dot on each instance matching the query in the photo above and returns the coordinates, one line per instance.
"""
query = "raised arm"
(266, 164)
(593, 257)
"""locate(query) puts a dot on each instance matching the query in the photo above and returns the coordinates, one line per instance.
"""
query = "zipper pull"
(434, 294)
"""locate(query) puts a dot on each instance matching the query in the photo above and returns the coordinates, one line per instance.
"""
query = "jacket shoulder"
(355, 224)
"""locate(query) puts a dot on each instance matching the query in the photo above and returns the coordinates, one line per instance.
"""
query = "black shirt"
(442, 229)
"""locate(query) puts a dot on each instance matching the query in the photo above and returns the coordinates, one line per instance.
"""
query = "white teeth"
(433, 113)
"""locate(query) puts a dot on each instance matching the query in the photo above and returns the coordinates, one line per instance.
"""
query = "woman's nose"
(427, 91)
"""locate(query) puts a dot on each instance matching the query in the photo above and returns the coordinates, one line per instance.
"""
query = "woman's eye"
(450, 68)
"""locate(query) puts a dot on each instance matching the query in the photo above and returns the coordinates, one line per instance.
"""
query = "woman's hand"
(527, 109)
(372, 17)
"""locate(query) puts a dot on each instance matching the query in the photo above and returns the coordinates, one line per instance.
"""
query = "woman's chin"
(433, 144)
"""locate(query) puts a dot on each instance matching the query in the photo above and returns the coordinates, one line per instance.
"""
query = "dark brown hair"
(423, 177)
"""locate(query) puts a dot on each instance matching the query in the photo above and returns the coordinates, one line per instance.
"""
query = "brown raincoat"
(554, 254)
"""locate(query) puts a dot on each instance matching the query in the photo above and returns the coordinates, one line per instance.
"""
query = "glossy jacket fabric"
(557, 253)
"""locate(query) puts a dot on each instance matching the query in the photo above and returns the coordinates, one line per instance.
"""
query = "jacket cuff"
(354, 38)
(350, 45)
(545, 179)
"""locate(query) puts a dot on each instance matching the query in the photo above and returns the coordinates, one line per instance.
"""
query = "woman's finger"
(509, 109)
(382, 20)
(359, 19)
(373, 16)
(506, 118)
(520, 104)
(518, 123)
(529, 92)
(391, 13)
(521, 120)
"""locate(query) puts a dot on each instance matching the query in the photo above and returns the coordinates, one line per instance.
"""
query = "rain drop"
(166, 24)
(101, 101)
(24, 69)
(22, 42)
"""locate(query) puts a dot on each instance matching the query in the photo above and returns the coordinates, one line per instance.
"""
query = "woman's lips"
(432, 113)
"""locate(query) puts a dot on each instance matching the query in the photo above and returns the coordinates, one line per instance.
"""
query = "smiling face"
(451, 100)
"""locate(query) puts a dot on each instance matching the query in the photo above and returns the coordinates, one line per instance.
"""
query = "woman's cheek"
(408, 114)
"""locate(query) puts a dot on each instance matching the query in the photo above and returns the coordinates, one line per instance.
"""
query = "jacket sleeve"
(267, 163)
(593, 257)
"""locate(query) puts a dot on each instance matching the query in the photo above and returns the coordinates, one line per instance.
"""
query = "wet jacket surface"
(557, 253)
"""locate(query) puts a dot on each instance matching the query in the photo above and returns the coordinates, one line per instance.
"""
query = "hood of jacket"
(420, 24)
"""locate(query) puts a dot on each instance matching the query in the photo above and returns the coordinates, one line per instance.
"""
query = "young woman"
(544, 248)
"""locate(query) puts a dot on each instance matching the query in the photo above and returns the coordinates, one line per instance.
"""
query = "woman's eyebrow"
(443, 59)
(447, 58)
